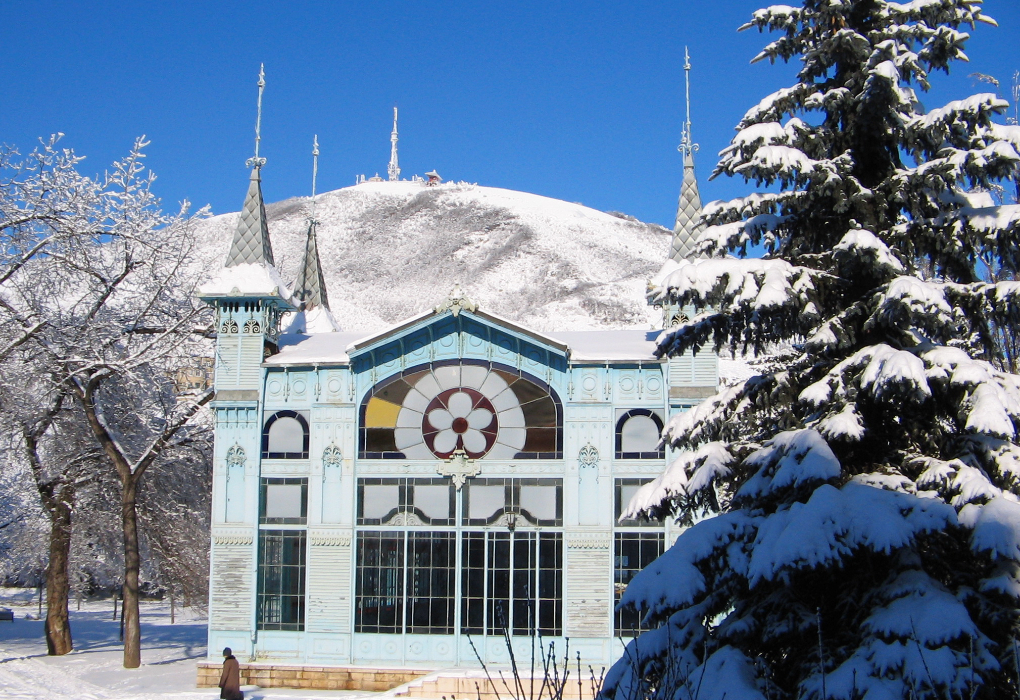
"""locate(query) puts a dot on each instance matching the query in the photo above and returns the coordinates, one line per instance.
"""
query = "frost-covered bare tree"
(110, 307)
(865, 531)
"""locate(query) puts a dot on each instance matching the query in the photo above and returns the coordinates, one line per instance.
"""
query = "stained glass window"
(489, 411)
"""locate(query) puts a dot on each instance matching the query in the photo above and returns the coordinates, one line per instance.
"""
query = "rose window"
(460, 419)
(432, 411)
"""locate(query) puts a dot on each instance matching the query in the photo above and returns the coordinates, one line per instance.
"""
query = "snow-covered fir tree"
(864, 536)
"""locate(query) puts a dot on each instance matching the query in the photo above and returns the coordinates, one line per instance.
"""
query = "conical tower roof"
(313, 314)
(251, 237)
(688, 226)
(310, 287)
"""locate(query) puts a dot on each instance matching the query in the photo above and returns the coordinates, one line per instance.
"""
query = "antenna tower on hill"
(393, 170)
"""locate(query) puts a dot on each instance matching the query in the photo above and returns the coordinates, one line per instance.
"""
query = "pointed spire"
(310, 288)
(251, 237)
(688, 226)
(393, 170)
(313, 315)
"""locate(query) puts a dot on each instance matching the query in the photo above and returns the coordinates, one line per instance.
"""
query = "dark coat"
(230, 680)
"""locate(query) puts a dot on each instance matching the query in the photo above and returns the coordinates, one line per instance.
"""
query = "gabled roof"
(420, 319)
(251, 237)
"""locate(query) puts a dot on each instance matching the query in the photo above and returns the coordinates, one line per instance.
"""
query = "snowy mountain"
(393, 249)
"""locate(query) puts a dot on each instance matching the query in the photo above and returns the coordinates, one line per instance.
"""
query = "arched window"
(488, 410)
(637, 435)
(285, 436)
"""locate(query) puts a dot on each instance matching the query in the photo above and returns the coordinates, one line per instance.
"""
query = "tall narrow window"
(636, 544)
(281, 580)
(379, 587)
(432, 565)
(633, 551)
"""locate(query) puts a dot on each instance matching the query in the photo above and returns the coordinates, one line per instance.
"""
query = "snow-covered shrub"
(865, 537)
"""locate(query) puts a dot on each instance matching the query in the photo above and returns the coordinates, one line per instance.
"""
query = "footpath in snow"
(94, 670)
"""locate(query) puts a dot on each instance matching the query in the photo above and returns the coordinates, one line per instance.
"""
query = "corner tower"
(248, 294)
(692, 378)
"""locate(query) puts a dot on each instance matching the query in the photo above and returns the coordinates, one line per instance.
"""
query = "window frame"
(287, 413)
(381, 385)
(264, 572)
(389, 594)
(622, 420)
(283, 481)
(405, 500)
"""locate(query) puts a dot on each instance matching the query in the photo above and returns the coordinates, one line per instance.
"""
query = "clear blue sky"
(576, 100)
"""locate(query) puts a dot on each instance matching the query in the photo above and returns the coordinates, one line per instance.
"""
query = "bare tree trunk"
(129, 474)
(129, 607)
(57, 495)
(58, 625)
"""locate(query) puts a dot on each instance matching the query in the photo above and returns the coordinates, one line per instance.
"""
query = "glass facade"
(410, 548)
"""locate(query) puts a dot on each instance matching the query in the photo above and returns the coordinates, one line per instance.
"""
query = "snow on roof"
(320, 348)
(254, 279)
(613, 346)
(317, 319)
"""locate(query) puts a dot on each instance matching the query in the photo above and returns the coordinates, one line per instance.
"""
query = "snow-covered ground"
(94, 670)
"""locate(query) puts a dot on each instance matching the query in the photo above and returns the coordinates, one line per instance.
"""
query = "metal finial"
(687, 144)
(257, 162)
(315, 170)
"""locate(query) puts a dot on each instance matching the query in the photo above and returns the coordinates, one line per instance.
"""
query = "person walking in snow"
(230, 678)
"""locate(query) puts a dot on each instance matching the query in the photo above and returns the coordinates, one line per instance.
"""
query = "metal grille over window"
(281, 580)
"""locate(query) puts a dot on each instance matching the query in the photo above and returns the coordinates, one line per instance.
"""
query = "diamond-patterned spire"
(310, 287)
(251, 238)
(688, 226)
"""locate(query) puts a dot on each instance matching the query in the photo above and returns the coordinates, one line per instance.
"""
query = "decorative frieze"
(329, 538)
(593, 540)
(232, 536)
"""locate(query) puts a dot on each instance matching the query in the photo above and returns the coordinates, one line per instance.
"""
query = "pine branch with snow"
(866, 531)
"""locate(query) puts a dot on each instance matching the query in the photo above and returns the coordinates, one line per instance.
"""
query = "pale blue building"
(377, 500)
